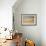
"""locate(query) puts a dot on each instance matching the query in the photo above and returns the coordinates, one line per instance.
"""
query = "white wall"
(43, 22)
(6, 13)
(30, 32)
(37, 33)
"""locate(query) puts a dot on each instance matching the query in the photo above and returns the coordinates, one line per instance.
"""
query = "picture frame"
(29, 19)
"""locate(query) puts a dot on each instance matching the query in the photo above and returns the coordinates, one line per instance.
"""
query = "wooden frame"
(29, 19)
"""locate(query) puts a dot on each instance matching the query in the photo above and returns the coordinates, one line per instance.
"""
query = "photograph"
(22, 22)
(29, 19)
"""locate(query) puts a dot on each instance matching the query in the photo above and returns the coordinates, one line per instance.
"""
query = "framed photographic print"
(29, 19)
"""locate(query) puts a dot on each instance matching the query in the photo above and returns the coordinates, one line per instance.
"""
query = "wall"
(6, 13)
(29, 7)
(43, 22)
